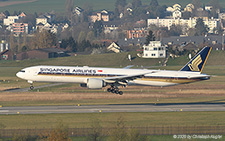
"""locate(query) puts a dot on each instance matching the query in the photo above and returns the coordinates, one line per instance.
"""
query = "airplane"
(97, 78)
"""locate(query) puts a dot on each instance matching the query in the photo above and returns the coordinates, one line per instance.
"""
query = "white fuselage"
(81, 74)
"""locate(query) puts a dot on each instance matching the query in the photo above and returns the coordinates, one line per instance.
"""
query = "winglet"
(198, 62)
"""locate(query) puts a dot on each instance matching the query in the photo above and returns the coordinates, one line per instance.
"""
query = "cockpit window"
(22, 71)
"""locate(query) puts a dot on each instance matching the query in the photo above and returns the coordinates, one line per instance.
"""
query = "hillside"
(59, 5)
(113, 60)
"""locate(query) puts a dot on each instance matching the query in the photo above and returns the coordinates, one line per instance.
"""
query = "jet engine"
(95, 83)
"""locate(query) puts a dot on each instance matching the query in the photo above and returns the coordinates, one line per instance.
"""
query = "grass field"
(211, 91)
(59, 5)
(109, 119)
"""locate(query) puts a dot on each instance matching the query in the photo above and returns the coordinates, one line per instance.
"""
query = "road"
(111, 108)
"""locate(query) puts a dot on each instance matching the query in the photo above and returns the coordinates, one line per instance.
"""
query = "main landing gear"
(115, 90)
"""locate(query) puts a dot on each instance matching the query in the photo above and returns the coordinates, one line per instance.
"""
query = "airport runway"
(35, 87)
(111, 108)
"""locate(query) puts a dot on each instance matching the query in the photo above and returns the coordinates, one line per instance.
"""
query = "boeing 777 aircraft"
(96, 78)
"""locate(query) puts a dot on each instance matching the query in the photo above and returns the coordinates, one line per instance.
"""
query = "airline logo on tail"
(195, 63)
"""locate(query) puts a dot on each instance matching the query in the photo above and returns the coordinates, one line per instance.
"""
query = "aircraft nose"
(19, 74)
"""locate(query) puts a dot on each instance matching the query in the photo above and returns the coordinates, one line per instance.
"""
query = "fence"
(150, 130)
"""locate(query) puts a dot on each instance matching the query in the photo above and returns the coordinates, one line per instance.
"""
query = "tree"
(150, 37)
(7, 13)
(98, 28)
(122, 3)
(136, 3)
(59, 133)
(175, 30)
(12, 43)
(90, 36)
(44, 39)
(197, 3)
(200, 27)
(96, 132)
(119, 132)
(215, 7)
(82, 36)
(69, 44)
(69, 4)
(154, 4)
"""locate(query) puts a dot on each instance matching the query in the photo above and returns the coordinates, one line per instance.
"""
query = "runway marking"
(112, 108)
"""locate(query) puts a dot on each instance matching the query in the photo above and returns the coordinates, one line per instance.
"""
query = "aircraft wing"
(124, 79)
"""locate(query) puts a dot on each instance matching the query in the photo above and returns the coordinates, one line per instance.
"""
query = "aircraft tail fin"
(197, 63)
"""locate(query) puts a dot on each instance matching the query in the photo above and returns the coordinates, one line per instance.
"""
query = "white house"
(114, 47)
(154, 50)
(177, 14)
(10, 20)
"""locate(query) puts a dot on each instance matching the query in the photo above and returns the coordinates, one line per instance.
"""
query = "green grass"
(102, 60)
(108, 119)
(216, 58)
(59, 5)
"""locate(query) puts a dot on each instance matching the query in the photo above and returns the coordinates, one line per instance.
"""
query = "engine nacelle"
(95, 83)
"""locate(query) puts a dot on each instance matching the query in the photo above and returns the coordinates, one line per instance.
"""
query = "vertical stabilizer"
(198, 62)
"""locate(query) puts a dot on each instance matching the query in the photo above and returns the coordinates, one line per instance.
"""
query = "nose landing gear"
(31, 85)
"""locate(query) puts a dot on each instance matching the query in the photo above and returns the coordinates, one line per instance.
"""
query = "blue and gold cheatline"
(198, 62)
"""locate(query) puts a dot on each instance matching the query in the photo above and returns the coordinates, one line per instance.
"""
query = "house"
(19, 28)
(99, 16)
(154, 50)
(42, 19)
(136, 33)
(10, 20)
(22, 15)
(110, 27)
(208, 8)
(44, 53)
(222, 16)
(189, 7)
(177, 14)
(78, 11)
(114, 47)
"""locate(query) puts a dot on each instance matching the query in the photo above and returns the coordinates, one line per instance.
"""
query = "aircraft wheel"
(120, 93)
(31, 87)
(109, 90)
(113, 91)
(116, 91)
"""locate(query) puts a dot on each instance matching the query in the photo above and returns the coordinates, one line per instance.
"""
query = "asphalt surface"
(111, 108)
(35, 87)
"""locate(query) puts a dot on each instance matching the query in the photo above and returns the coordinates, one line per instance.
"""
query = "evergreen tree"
(69, 44)
(200, 27)
(150, 37)
(98, 28)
